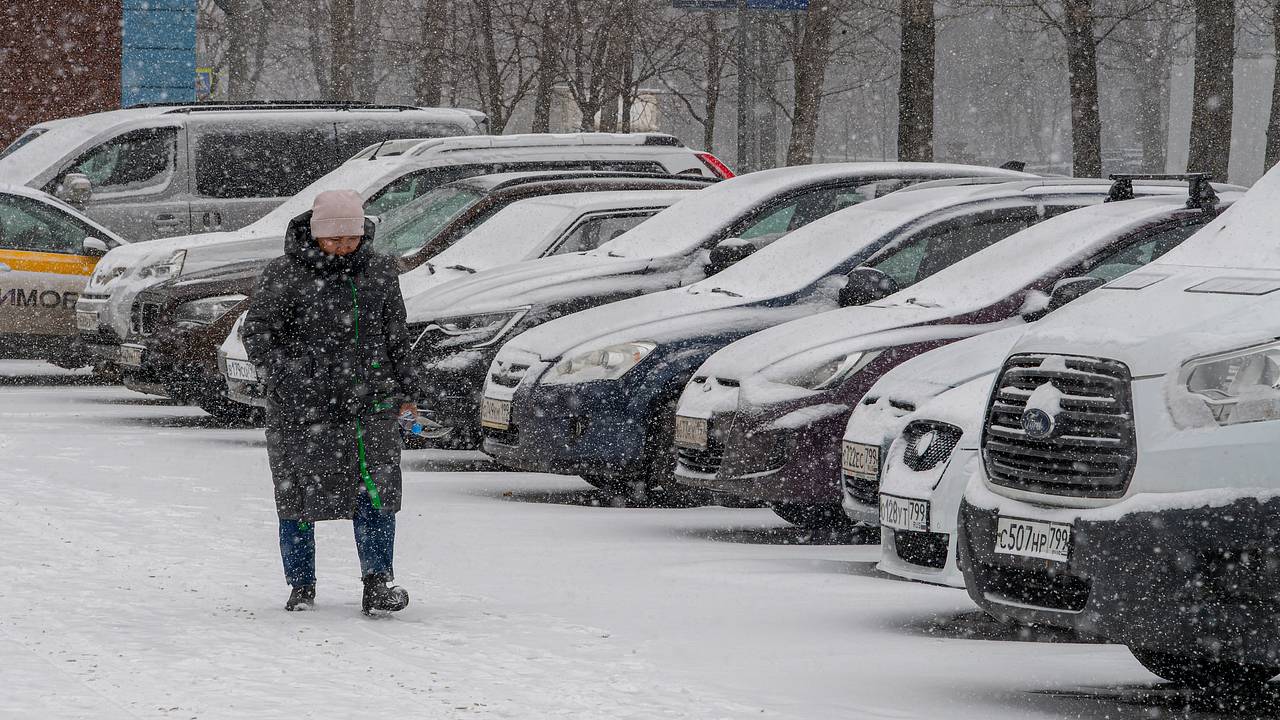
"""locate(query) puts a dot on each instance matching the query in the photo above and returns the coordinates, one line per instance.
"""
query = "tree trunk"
(491, 92)
(239, 32)
(915, 87)
(1273, 127)
(1211, 104)
(1082, 76)
(342, 48)
(548, 69)
(715, 71)
(812, 54)
(765, 113)
(432, 42)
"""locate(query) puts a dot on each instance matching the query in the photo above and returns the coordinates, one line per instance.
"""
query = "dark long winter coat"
(329, 335)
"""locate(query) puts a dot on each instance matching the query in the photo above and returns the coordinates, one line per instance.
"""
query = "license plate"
(904, 513)
(495, 414)
(691, 432)
(241, 370)
(1033, 539)
(861, 460)
(87, 321)
(131, 355)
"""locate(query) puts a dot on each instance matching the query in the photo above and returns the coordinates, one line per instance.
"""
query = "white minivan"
(1129, 483)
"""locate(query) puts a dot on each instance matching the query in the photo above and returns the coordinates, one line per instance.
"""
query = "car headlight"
(832, 372)
(206, 311)
(1237, 386)
(476, 330)
(609, 363)
(167, 268)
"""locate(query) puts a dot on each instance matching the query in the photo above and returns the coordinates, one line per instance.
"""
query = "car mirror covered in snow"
(1064, 291)
(76, 189)
(866, 285)
(727, 253)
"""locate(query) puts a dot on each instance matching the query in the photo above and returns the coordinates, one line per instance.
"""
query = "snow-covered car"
(525, 229)
(466, 322)
(763, 418)
(908, 450)
(172, 345)
(577, 411)
(163, 171)
(388, 175)
(1128, 480)
(47, 249)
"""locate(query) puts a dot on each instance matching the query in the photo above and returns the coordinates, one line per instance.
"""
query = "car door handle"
(167, 221)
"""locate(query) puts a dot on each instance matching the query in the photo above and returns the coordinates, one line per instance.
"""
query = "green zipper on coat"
(364, 463)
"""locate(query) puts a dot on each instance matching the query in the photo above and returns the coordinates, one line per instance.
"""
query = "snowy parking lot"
(141, 579)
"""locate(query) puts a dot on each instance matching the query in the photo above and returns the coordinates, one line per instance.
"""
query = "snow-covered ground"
(139, 578)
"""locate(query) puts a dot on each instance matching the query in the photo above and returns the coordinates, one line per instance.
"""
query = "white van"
(148, 172)
(1130, 486)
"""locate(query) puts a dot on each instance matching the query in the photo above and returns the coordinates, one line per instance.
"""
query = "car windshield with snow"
(762, 418)
(1127, 483)
(465, 323)
(177, 326)
(387, 175)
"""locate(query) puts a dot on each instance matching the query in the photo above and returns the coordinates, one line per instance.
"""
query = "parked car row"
(1052, 392)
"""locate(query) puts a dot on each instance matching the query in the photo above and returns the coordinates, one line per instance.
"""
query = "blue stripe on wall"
(159, 51)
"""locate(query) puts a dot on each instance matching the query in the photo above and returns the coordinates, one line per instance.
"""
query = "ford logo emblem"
(1037, 423)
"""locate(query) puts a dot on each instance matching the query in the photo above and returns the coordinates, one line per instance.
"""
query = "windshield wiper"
(431, 269)
(464, 268)
(917, 303)
(614, 254)
(722, 291)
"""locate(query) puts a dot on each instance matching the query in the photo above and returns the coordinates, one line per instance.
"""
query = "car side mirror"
(94, 247)
(866, 285)
(76, 189)
(727, 253)
(1064, 291)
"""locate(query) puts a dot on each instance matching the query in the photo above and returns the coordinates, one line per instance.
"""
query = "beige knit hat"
(337, 213)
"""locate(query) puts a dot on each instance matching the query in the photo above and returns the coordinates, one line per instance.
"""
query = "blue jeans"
(375, 544)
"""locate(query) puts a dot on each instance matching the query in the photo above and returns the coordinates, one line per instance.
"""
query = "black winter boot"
(381, 597)
(303, 597)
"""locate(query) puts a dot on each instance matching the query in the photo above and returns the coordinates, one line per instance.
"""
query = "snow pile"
(805, 417)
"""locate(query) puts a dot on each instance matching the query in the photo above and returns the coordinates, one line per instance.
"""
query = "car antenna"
(379, 148)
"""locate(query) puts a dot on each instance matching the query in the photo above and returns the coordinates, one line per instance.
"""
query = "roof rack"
(1200, 192)
(223, 105)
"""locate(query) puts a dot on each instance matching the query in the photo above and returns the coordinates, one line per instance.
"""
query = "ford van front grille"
(1061, 425)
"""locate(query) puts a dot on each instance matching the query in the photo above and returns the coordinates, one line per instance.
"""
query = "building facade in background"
(73, 57)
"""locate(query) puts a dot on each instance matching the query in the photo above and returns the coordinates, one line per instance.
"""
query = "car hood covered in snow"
(924, 376)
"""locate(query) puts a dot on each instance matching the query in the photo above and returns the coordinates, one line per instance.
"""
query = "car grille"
(925, 549)
(1090, 450)
(945, 438)
(145, 317)
(508, 374)
(1036, 587)
(864, 490)
(703, 462)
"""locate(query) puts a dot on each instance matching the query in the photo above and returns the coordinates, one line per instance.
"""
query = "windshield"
(412, 226)
(807, 255)
(364, 176)
(514, 233)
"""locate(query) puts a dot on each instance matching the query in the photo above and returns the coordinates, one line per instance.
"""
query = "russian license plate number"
(495, 414)
(904, 513)
(691, 432)
(861, 460)
(241, 370)
(1033, 539)
(87, 321)
(131, 355)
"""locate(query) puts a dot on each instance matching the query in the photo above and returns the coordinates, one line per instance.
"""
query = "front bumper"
(765, 458)
(593, 428)
(1203, 580)
(102, 341)
(927, 556)
(181, 361)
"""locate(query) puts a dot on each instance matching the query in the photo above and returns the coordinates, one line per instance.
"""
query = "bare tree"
(433, 65)
(342, 49)
(1212, 100)
(245, 30)
(915, 85)
(548, 59)
(698, 85)
(813, 29)
(1273, 126)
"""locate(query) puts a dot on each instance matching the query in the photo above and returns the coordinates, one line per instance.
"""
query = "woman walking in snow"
(326, 327)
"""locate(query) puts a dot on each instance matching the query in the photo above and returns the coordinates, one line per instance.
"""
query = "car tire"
(1201, 673)
(814, 517)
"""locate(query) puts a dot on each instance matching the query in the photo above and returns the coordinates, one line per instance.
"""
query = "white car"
(526, 229)
(387, 175)
(1130, 486)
